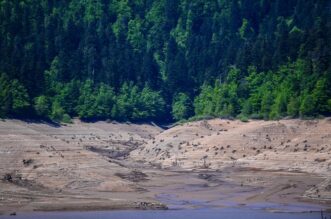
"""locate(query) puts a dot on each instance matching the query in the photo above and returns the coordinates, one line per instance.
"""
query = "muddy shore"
(217, 163)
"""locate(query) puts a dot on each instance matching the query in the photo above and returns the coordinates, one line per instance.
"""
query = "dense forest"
(144, 60)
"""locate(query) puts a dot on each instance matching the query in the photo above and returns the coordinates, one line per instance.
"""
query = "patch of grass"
(242, 118)
(66, 119)
(201, 117)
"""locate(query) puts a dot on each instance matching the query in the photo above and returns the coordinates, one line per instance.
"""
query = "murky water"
(173, 214)
(182, 207)
(192, 209)
(175, 203)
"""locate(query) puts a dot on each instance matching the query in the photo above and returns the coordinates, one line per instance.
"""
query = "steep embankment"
(291, 146)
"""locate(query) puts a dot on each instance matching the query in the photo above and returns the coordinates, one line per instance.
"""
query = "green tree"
(58, 112)
(53, 75)
(135, 35)
(150, 105)
(5, 95)
(86, 102)
(42, 106)
(293, 107)
(279, 108)
(320, 97)
(266, 103)
(125, 102)
(182, 107)
(307, 107)
(104, 101)
(254, 82)
(20, 98)
(68, 95)
(245, 30)
(135, 104)
(203, 103)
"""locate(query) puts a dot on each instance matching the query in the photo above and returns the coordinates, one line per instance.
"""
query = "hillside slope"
(217, 163)
(293, 146)
(47, 167)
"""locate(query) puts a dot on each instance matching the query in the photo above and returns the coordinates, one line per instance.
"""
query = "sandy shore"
(218, 163)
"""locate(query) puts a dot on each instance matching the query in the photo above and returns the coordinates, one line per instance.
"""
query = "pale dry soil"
(277, 165)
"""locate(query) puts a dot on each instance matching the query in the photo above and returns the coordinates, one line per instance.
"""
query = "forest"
(165, 60)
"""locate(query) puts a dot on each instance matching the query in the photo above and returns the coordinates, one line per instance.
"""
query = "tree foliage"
(182, 107)
(272, 95)
(133, 59)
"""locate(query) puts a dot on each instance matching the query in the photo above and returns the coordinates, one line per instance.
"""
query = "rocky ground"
(98, 166)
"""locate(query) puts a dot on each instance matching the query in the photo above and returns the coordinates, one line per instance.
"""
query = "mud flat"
(277, 166)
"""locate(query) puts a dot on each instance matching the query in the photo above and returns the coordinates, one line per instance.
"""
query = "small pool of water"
(173, 214)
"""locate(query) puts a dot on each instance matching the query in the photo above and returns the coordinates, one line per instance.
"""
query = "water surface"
(173, 214)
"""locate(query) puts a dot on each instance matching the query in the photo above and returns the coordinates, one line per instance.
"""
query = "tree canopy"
(165, 59)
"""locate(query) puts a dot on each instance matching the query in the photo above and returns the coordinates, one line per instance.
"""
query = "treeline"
(166, 59)
(83, 99)
(294, 90)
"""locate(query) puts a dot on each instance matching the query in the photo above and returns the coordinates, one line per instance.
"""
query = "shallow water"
(175, 203)
(173, 214)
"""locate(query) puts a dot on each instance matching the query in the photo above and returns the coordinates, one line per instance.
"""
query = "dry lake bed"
(258, 169)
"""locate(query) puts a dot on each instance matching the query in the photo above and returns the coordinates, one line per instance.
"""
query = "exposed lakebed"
(210, 167)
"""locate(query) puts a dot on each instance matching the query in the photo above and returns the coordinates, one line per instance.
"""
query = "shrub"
(242, 118)
(66, 119)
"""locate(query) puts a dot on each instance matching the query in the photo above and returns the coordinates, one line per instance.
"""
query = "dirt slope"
(45, 167)
(291, 146)
(215, 163)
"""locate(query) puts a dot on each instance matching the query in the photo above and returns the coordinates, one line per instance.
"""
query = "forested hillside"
(164, 59)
